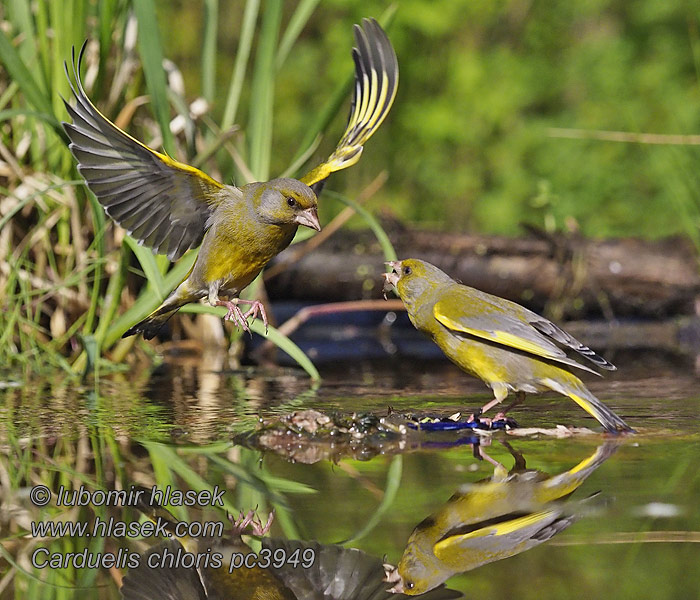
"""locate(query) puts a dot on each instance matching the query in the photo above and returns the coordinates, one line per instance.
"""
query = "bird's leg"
(500, 392)
(243, 521)
(256, 309)
(519, 398)
(481, 455)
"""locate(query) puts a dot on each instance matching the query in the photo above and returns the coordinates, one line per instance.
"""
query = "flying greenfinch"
(506, 345)
(172, 207)
(490, 520)
(229, 569)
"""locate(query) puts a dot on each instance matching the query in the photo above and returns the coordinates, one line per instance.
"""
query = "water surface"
(636, 537)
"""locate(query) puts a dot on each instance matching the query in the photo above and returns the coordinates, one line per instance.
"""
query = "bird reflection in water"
(498, 517)
(280, 570)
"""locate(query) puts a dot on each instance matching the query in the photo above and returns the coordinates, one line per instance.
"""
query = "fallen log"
(566, 276)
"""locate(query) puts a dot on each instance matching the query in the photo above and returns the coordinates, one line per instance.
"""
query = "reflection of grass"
(99, 459)
(66, 287)
(97, 447)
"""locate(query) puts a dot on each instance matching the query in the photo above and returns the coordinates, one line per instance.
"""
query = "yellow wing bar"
(497, 336)
(376, 82)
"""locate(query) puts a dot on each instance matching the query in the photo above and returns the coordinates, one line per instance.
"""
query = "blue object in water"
(448, 425)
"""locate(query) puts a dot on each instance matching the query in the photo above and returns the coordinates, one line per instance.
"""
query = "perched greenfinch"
(506, 345)
(281, 570)
(172, 207)
(490, 520)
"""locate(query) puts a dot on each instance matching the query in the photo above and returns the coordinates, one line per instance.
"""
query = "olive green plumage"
(506, 345)
(171, 207)
(490, 520)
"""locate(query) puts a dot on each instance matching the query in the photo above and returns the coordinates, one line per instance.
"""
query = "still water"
(537, 515)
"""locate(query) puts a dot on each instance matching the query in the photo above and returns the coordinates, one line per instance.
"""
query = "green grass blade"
(178, 465)
(323, 119)
(262, 92)
(286, 345)
(98, 226)
(211, 13)
(6, 115)
(148, 263)
(112, 297)
(20, 15)
(19, 72)
(297, 22)
(148, 300)
(393, 482)
(280, 340)
(374, 225)
(152, 59)
(250, 15)
(107, 17)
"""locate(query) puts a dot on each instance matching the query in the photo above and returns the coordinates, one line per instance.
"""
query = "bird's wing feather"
(376, 82)
(549, 329)
(495, 320)
(502, 540)
(162, 203)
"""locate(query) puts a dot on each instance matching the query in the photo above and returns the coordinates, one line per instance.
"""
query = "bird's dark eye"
(291, 201)
(407, 270)
(409, 584)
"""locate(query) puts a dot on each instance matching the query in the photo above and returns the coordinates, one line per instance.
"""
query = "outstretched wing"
(376, 82)
(466, 310)
(162, 203)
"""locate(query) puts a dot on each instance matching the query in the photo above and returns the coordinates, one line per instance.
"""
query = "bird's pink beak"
(391, 279)
(309, 218)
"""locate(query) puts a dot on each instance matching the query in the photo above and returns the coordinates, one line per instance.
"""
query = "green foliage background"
(467, 146)
(475, 141)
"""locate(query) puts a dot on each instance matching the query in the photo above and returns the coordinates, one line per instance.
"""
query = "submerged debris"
(310, 436)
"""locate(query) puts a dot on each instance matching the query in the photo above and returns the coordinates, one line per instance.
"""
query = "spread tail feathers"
(588, 402)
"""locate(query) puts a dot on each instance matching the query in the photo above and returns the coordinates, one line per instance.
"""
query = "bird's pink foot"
(257, 309)
(234, 313)
(258, 528)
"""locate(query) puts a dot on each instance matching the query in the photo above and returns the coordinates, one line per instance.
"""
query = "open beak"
(391, 575)
(391, 278)
(309, 218)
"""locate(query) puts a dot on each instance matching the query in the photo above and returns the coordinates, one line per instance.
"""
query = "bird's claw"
(257, 309)
(234, 314)
(240, 318)
(258, 528)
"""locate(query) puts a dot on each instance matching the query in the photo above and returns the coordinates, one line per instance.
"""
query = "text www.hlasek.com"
(120, 529)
